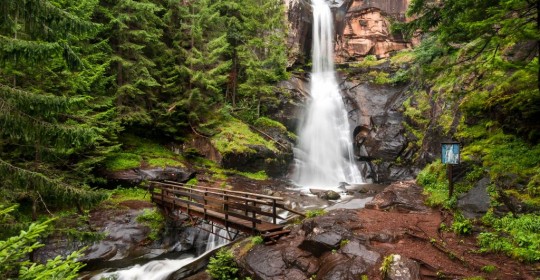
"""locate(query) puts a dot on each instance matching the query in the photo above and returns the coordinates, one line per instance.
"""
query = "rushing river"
(162, 269)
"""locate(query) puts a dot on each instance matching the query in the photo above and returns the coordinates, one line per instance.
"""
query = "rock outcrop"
(366, 30)
(376, 119)
(133, 177)
(325, 246)
(362, 28)
(401, 196)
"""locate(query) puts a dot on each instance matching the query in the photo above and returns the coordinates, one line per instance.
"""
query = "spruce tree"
(262, 54)
(203, 44)
(38, 118)
(134, 31)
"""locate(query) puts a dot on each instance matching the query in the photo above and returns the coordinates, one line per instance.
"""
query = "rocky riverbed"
(394, 237)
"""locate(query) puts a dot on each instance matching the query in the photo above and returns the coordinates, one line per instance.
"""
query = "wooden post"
(226, 209)
(253, 215)
(449, 170)
(247, 204)
(205, 201)
(274, 214)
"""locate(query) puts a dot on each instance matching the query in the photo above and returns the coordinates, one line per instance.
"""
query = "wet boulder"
(134, 177)
(402, 268)
(400, 196)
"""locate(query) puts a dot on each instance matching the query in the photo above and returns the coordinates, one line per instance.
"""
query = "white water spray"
(162, 269)
(324, 154)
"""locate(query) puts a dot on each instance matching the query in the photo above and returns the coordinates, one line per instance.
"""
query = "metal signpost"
(450, 156)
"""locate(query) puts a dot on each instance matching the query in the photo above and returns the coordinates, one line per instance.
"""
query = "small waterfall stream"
(324, 153)
(162, 269)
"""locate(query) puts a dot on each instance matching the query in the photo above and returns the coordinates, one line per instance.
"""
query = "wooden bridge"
(250, 213)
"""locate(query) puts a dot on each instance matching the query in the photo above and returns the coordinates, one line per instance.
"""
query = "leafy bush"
(222, 266)
(462, 225)
(315, 213)
(14, 251)
(433, 179)
(516, 236)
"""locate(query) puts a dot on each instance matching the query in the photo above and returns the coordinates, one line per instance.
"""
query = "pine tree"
(262, 54)
(134, 31)
(203, 44)
(38, 118)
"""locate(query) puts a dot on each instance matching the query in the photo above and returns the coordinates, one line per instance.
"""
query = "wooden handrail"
(218, 189)
(230, 208)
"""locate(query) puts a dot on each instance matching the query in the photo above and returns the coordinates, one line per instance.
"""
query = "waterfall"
(324, 153)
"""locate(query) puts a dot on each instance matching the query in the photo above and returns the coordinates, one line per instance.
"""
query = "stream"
(323, 155)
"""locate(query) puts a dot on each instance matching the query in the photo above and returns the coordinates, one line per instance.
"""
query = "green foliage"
(46, 127)
(259, 176)
(122, 194)
(385, 265)
(255, 240)
(154, 220)
(122, 161)
(222, 266)
(368, 61)
(264, 122)
(14, 250)
(461, 225)
(343, 243)
(138, 150)
(489, 268)
(315, 213)
(516, 236)
(402, 57)
(380, 77)
(236, 137)
(433, 179)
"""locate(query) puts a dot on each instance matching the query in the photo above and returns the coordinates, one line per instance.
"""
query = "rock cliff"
(362, 28)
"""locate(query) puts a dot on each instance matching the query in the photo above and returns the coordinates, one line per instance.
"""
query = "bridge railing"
(207, 201)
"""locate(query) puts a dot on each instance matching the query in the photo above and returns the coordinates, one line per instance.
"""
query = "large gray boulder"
(475, 203)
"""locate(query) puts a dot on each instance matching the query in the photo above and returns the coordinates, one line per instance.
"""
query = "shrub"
(314, 213)
(222, 266)
(516, 236)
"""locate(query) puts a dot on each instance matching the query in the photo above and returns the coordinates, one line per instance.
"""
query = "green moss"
(136, 150)
(532, 201)
(145, 147)
(433, 179)
(261, 175)
(505, 154)
(368, 61)
(154, 220)
(380, 78)
(236, 137)
(122, 161)
(264, 122)
(164, 162)
(402, 57)
(122, 194)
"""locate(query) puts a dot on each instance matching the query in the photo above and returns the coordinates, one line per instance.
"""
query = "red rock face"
(362, 28)
(366, 29)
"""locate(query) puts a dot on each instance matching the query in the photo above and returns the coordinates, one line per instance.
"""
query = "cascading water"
(324, 154)
(162, 269)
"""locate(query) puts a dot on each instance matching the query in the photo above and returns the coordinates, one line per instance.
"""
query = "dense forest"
(79, 79)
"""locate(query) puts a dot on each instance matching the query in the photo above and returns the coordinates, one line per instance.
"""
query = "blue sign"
(450, 153)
